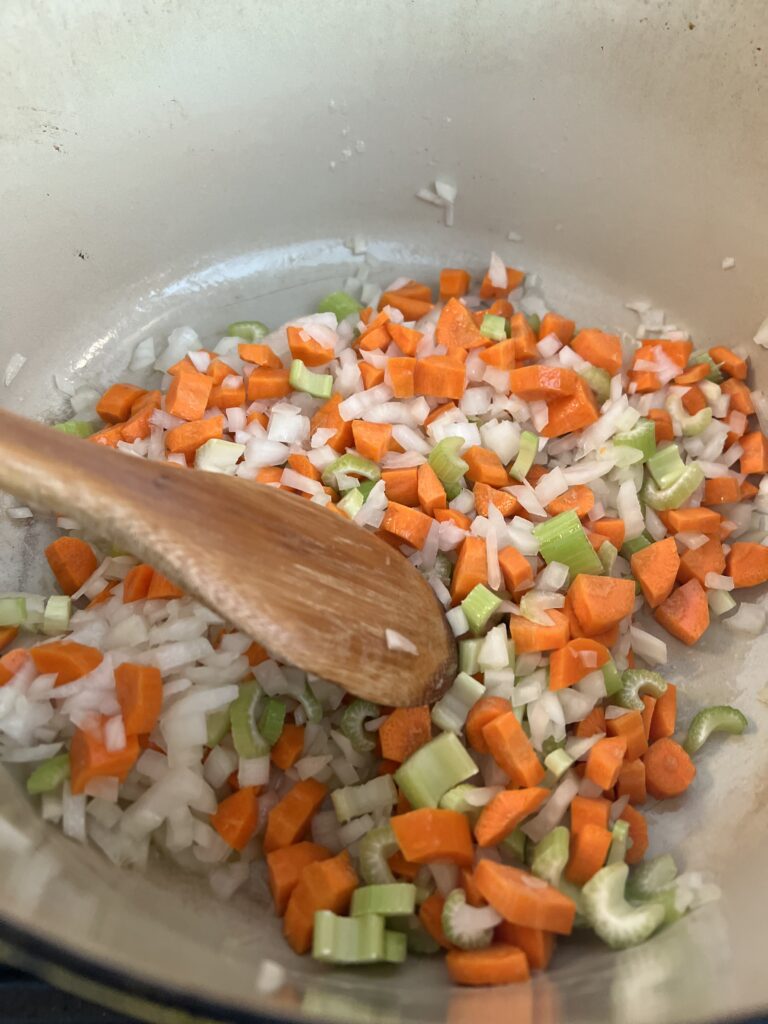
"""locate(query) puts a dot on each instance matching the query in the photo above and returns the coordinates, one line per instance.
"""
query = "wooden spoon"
(315, 589)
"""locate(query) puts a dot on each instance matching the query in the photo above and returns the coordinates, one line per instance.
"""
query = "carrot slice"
(755, 457)
(7, 635)
(11, 662)
(480, 714)
(485, 467)
(439, 377)
(663, 424)
(403, 732)
(560, 326)
(592, 724)
(669, 770)
(505, 812)
(136, 583)
(515, 568)
(285, 867)
(455, 327)
(692, 520)
(604, 761)
(631, 781)
(589, 811)
(685, 613)
(430, 491)
(722, 490)
(523, 899)
(289, 819)
(304, 347)
(323, 885)
(430, 834)
(578, 658)
(490, 291)
(747, 564)
(529, 636)
(188, 395)
(630, 726)
(72, 561)
(139, 690)
(655, 568)
(453, 284)
(588, 852)
(259, 355)
(600, 602)
(402, 485)
(574, 412)
(512, 750)
(638, 833)
(115, 404)
(289, 747)
(236, 817)
(599, 348)
(471, 568)
(741, 399)
(407, 523)
(188, 437)
(431, 917)
(695, 563)
(328, 417)
(486, 495)
(580, 498)
(542, 383)
(66, 659)
(729, 362)
(497, 965)
(89, 758)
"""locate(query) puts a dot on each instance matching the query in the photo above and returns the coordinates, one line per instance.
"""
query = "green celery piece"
(648, 878)
(715, 719)
(351, 802)
(599, 380)
(516, 844)
(662, 499)
(631, 547)
(355, 714)
(550, 745)
(78, 428)
(468, 655)
(458, 924)
(612, 678)
(534, 322)
(550, 856)
(313, 709)
(341, 304)
(455, 800)
(642, 436)
(248, 330)
(636, 682)
(698, 423)
(418, 940)
(666, 466)
(218, 726)
(350, 465)
(248, 741)
(450, 712)
(352, 502)
(272, 720)
(49, 775)
(558, 763)
(365, 487)
(618, 848)
(447, 464)
(702, 356)
(376, 847)
(615, 921)
(13, 611)
(607, 554)
(479, 606)
(58, 610)
(527, 452)
(433, 769)
(562, 539)
(319, 385)
(494, 327)
(395, 947)
(347, 940)
(452, 490)
(390, 900)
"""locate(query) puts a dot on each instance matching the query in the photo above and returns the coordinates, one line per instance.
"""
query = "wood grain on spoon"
(315, 589)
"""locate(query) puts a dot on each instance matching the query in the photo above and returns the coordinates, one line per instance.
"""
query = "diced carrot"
(431, 492)
(304, 347)
(401, 867)
(486, 495)
(267, 382)
(430, 834)
(11, 662)
(630, 727)
(663, 423)
(560, 326)
(161, 588)
(323, 885)
(188, 437)
(259, 355)
(695, 563)
(506, 811)
(138, 426)
(588, 852)
(573, 412)
(406, 338)
(108, 437)
(607, 637)
(222, 397)
(604, 761)
(7, 635)
(404, 731)
(669, 770)
(439, 377)
(485, 467)
(414, 300)
(649, 706)
(431, 917)
(567, 666)
(400, 373)
(747, 491)
(139, 690)
(471, 568)
(136, 583)
(146, 400)
(685, 613)
(530, 636)
(455, 327)
(741, 399)
(592, 724)
(693, 375)
(402, 485)
(664, 714)
(188, 395)
(755, 457)
(729, 362)
(499, 964)
(236, 817)
(500, 356)
(692, 520)
(439, 411)
(289, 747)
(453, 284)
(114, 406)
(289, 819)
(693, 400)
(328, 417)
(409, 524)
(451, 515)
(285, 867)
(600, 602)
(638, 833)
(747, 564)
(589, 811)
(613, 529)
(537, 944)
(514, 279)
(631, 781)
(542, 383)
(523, 338)
(257, 417)
(375, 336)
(473, 894)
(66, 660)
(655, 568)
(678, 351)
(512, 750)
(372, 375)
(72, 561)
(599, 349)
(218, 371)
(578, 498)
(480, 714)
(522, 899)
(721, 490)
(89, 758)
(302, 465)
(515, 568)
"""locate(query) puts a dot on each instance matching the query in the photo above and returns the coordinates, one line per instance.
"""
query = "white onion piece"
(554, 810)
(748, 618)
(647, 646)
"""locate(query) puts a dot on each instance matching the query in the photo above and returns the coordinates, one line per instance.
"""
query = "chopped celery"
(248, 741)
(647, 879)
(720, 602)
(529, 447)
(218, 456)
(696, 424)
(619, 837)
(56, 615)
(465, 926)
(642, 436)
(350, 465)
(715, 719)
(341, 304)
(365, 487)
(394, 899)
(478, 606)
(272, 720)
(217, 725)
(376, 847)
(562, 539)
(661, 499)
(347, 940)
(456, 800)
(248, 330)
(79, 428)
(558, 763)
(631, 547)
(13, 611)
(468, 655)
(417, 938)
(550, 856)
(637, 681)
(607, 554)
(702, 356)
(450, 712)
(612, 678)
(615, 921)
(352, 502)
(494, 327)
(319, 385)
(550, 745)
(445, 461)
(395, 947)
(49, 775)
(433, 769)
(353, 801)
(313, 709)
(599, 380)
(515, 844)
(355, 714)
(534, 322)
(666, 466)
